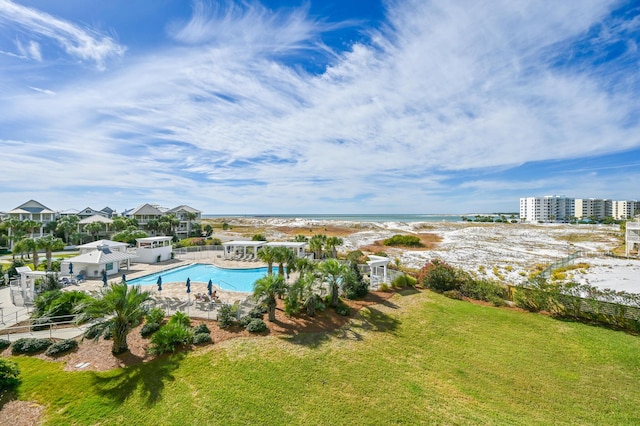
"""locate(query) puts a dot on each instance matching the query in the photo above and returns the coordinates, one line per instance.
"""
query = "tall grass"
(419, 358)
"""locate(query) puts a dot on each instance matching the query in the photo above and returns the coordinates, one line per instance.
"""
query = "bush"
(245, 320)
(257, 312)
(180, 318)
(201, 338)
(62, 347)
(483, 289)
(169, 338)
(4, 344)
(201, 328)
(58, 303)
(343, 309)
(155, 315)
(453, 294)
(149, 328)
(439, 276)
(93, 331)
(354, 286)
(29, 346)
(403, 240)
(226, 316)
(256, 326)
(9, 374)
(404, 280)
(106, 335)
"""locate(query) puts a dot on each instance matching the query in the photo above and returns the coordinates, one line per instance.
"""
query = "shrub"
(58, 303)
(201, 328)
(384, 287)
(226, 316)
(404, 280)
(180, 318)
(355, 256)
(29, 346)
(169, 338)
(149, 328)
(245, 320)
(4, 344)
(453, 294)
(93, 331)
(155, 315)
(354, 286)
(343, 309)
(439, 276)
(483, 289)
(257, 312)
(201, 338)
(403, 240)
(62, 347)
(106, 335)
(9, 374)
(256, 326)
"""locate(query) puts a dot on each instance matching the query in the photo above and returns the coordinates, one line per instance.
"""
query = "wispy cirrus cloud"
(82, 43)
(425, 113)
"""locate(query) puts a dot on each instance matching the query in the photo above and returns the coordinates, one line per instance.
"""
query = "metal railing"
(29, 328)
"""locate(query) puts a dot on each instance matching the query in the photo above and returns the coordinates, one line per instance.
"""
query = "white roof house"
(154, 249)
(112, 245)
(101, 259)
(297, 247)
(235, 249)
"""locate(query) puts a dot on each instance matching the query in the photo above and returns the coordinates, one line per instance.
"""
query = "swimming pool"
(226, 279)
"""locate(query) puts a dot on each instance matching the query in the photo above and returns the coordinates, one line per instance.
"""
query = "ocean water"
(353, 217)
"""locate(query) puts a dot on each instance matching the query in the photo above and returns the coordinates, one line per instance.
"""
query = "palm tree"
(267, 255)
(316, 244)
(67, 225)
(282, 256)
(190, 217)
(123, 306)
(330, 245)
(94, 229)
(333, 272)
(312, 300)
(301, 239)
(20, 247)
(31, 245)
(267, 289)
(50, 244)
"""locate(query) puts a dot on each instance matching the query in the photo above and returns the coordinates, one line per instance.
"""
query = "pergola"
(378, 266)
(296, 247)
(239, 248)
(632, 235)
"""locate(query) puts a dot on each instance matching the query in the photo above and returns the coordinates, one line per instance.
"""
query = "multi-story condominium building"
(593, 208)
(187, 217)
(625, 209)
(35, 211)
(550, 208)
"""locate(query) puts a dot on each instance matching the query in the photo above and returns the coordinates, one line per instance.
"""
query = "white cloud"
(82, 43)
(226, 120)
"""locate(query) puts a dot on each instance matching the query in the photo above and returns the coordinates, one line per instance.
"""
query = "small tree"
(266, 289)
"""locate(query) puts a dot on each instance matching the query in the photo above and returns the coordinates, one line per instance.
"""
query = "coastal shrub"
(245, 320)
(354, 286)
(170, 337)
(226, 317)
(29, 345)
(256, 326)
(107, 333)
(58, 303)
(453, 294)
(9, 374)
(61, 347)
(201, 338)
(384, 287)
(403, 241)
(201, 328)
(258, 237)
(149, 328)
(404, 280)
(343, 309)
(4, 344)
(439, 276)
(155, 315)
(484, 289)
(180, 318)
(257, 312)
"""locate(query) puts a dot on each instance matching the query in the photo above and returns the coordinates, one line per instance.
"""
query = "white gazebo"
(241, 249)
(378, 267)
(27, 282)
(154, 249)
(632, 235)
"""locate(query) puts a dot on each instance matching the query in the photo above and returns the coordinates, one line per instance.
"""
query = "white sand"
(512, 249)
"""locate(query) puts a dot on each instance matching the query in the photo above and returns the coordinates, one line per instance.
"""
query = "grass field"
(419, 358)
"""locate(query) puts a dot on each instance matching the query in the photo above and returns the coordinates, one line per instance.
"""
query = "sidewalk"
(10, 314)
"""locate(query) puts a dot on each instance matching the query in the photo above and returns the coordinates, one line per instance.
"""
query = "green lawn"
(420, 358)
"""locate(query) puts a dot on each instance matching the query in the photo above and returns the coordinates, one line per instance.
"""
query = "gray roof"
(184, 208)
(147, 209)
(95, 218)
(107, 243)
(101, 257)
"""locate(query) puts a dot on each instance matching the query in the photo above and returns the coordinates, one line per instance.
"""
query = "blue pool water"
(226, 279)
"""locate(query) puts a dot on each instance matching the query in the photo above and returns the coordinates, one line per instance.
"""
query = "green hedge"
(62, 347)
(29, 345)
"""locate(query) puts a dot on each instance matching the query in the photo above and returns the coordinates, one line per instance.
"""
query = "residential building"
(595, 208)
(33, 210)
(550, 208)
(145, 213)
(625, 209)
(187, 217)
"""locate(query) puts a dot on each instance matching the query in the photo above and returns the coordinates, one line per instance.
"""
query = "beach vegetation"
(331, 246)
(170, 337)
(334, 273)
(226, 316)
(258, 237)
(403, 241)
(353, 284)
(9, 375)
(267, 255)
(57, 305)
(256, 325)
(61, 347)
(30, 345)
(316, 245)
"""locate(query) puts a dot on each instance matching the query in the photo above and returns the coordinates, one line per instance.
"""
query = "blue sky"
(323, 106)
